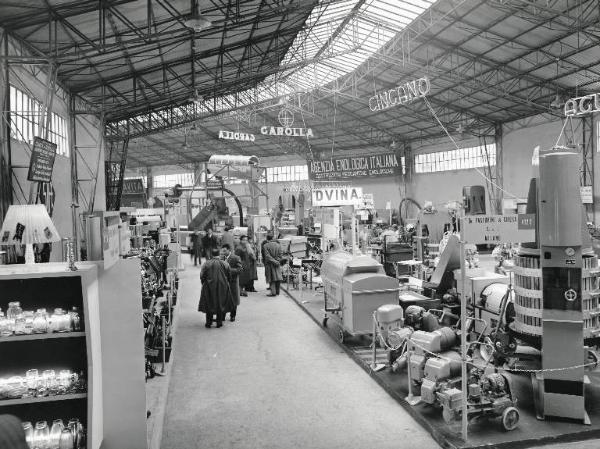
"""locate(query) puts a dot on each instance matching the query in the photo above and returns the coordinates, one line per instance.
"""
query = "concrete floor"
(274, 379)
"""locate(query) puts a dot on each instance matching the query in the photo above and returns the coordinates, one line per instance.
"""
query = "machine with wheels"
(354, 287)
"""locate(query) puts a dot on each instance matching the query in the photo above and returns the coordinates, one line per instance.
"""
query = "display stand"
(51, 286)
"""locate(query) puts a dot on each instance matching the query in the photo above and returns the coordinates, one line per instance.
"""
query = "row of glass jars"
(46, 383)
(21, 322)
(59, 436)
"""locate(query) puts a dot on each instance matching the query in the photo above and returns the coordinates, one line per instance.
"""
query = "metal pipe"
(463, 336)
(164, 343)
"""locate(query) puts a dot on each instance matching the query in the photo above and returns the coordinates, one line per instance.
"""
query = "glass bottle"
(55, 433)
(28, 430)
(75, 319)
(76, 431)
(41, 435)
(66, 439)
(32, 377)
(40, 321)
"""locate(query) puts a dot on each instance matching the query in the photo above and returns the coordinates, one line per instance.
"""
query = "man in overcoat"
(215, 296)
(235, 268)
(249, 274)
(273, 255)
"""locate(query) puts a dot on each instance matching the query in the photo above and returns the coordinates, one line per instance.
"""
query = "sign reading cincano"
(403, 94)
(582, 105)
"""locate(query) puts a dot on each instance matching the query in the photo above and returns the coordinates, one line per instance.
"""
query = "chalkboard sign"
(42, 160)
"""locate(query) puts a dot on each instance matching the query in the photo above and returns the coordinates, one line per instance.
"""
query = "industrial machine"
(354, 287)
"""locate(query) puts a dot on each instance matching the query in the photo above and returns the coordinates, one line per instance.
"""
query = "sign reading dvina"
(402, 94)
(582, 105)
(337, 196)
(354, 167)
(494, 229)
(230, 135)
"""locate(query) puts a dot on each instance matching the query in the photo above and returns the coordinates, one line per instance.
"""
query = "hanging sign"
(368, 201)
(402, 94)
(337, 196)
(494, 229)
(41, 163)
(582, 105)
(230, 135)
(288, 132)
(354, 167)
(286, 120)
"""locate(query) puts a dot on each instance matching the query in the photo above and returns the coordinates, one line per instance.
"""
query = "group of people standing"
(229, 272)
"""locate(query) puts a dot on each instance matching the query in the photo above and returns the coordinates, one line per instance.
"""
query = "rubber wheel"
(510, 418)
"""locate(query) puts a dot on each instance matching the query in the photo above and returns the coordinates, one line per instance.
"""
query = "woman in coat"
(249, 273)
(273, 255)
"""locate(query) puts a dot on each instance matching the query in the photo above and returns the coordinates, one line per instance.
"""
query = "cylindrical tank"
(560, 199)
(230, 159)
(491, 297)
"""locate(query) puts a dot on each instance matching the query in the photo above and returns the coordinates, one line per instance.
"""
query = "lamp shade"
(28, 224)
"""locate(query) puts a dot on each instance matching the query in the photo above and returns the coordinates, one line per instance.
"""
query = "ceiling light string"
(458, 148)
(334, 121)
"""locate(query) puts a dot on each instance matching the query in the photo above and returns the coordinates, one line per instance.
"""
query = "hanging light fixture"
(197, 21)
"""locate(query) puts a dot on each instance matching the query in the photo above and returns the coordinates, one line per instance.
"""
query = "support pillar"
(149, 183)
(6, 197)
(498, 137)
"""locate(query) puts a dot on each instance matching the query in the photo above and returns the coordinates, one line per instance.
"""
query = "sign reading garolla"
(403, 94)
(230, 135)
(582, 105)
(284, 131)
(337, 196)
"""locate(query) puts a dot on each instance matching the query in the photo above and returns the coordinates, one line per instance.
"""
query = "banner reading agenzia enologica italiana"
(354, 167)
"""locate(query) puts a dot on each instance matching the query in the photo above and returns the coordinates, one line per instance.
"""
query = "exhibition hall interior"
(320, 224)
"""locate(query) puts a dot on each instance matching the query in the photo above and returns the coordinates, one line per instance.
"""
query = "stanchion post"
(374, 363)
(463, 335)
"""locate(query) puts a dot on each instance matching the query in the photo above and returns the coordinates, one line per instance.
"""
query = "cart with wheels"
(354, 287)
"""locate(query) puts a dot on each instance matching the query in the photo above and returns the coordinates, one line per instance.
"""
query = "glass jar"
(28, 314)
(19, 326)
(28, 430)
(40, 321)
(41, 435)
(66, 439)
(75, 319)
(6, 328)
(59, 321)
(57, 428)
(14, 309)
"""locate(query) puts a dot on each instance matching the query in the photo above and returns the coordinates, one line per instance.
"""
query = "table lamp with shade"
(28, 224)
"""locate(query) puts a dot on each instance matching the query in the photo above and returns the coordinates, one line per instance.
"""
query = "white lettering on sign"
(582, 105)
(513, 228)
(289, 132)
(230, 135)
(403, 94)
(337, 196)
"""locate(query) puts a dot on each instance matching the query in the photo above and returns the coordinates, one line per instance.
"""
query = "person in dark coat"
(12, 435)
(215, 297)
(248, 275)
(273, 256)
(209, 243)
(196, 247)
(262, 255)
(235, 268)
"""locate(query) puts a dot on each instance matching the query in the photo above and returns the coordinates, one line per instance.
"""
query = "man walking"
(215, 297)
(249, 274)
(209, 243)
(235, 268)
(273, 255)
(196, 247)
